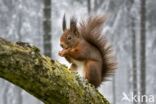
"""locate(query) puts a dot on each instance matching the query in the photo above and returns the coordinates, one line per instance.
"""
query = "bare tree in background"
(5, 94)
(134, 61)
(134, 53)
(17, 90)
(89, 6)
(114, 90)
(143, 50)
(47, 28)
(12, 7)
(131, 24)
(97, 4)
(19, 26)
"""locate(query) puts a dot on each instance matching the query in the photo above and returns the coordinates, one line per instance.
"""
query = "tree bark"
(134, 59)
(97, 4)
(143, 50)
(19, 27)
(44, 78)
(89, 6)
(47, 27)
(114, 90)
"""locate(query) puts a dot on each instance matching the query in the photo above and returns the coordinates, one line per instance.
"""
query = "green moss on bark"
(46, 79)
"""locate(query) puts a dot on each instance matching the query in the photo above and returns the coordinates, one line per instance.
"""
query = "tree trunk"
(47, 28)
(131, 24)
(89, 6)
(143, 50)
(97, 4)
(43, 77)
(5, 95)
(134, 62)
(19, 26)
(114, 90)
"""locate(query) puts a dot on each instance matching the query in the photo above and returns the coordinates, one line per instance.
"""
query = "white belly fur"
(80, 66)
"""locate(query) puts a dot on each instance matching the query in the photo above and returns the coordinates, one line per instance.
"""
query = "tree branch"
(44, 78)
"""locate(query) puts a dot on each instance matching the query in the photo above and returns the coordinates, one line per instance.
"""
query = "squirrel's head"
(70, 37)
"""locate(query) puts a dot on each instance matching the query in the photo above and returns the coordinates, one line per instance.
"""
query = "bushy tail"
(91, 30)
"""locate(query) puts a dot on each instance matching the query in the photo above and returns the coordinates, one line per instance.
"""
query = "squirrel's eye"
(69, 37)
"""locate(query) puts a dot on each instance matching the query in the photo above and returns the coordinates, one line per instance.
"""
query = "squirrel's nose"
(62, 45)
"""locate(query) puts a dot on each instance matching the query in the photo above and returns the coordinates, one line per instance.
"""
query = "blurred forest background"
(130, 27)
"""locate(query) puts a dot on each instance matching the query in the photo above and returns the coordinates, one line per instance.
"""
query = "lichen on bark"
(44, 78)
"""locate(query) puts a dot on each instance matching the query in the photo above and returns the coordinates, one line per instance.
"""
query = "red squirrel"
(85, 47)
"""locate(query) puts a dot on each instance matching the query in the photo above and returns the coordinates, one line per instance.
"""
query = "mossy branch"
(44, 78)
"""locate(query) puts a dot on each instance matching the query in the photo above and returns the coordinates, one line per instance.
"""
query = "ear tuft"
(73, 23)
(64, 23)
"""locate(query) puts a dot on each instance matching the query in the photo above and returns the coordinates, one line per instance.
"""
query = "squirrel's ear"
(64, 23)
(73, 26)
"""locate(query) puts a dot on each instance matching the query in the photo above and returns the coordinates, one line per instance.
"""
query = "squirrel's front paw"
(60, 53)
(63, 53)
